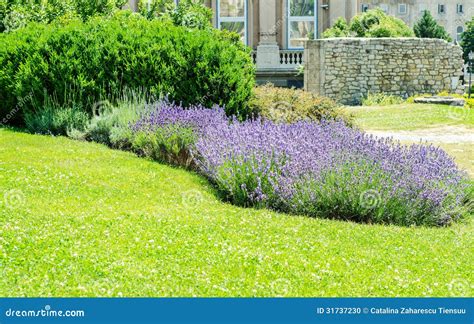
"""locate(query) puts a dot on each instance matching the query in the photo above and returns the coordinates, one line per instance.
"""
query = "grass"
(411, 116)
(463, 155)
(79, 219)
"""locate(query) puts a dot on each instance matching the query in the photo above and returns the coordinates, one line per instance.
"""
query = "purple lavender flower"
(322, 169)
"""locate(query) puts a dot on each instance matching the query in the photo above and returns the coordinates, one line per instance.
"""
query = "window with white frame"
(459, 8)
(384, 7)
(402, 8)
(301, 22)
(441, 9)
(232, 16)
(459, 32)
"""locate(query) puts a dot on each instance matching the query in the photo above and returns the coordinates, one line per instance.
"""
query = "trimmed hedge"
(83, 63)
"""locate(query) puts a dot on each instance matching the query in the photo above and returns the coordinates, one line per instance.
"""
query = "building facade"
(276, 30)
(451, 14)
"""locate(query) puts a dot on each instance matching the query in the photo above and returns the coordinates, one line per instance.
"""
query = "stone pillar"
(268, 52)
(314, 70)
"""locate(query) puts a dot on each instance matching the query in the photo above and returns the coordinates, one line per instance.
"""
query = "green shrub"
(373, 23)
(339, 29)
(428, 27)
(110, 124)
(15, 14)
(381, 99)
(291, 105)
(99, 58)
(467, 39)
(191, 14)
(152, 9)
(121, 138)
(168, 144)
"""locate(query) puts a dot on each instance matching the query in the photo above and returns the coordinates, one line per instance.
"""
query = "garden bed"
(97, 222)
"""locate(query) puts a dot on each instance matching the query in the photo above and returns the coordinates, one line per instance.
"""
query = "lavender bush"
(167, 132)
(322, 169)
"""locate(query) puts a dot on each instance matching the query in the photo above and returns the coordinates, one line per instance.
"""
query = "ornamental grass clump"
(325, 169)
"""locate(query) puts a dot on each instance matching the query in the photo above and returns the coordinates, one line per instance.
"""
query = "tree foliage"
(467, 39)
(15, 14)
(427, 27)
(191, 14)
(339, 29)
(373, 23)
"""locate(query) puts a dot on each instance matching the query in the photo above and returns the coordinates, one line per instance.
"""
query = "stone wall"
(346, 69)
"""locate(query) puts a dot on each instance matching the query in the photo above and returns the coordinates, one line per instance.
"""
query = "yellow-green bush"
(291, 105)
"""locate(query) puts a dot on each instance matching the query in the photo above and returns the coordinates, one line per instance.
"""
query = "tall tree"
(427, 27)
(467, 39)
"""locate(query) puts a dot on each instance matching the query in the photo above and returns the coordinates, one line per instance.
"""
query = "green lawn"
(430, 119)
(412, 116)
(79, 219)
